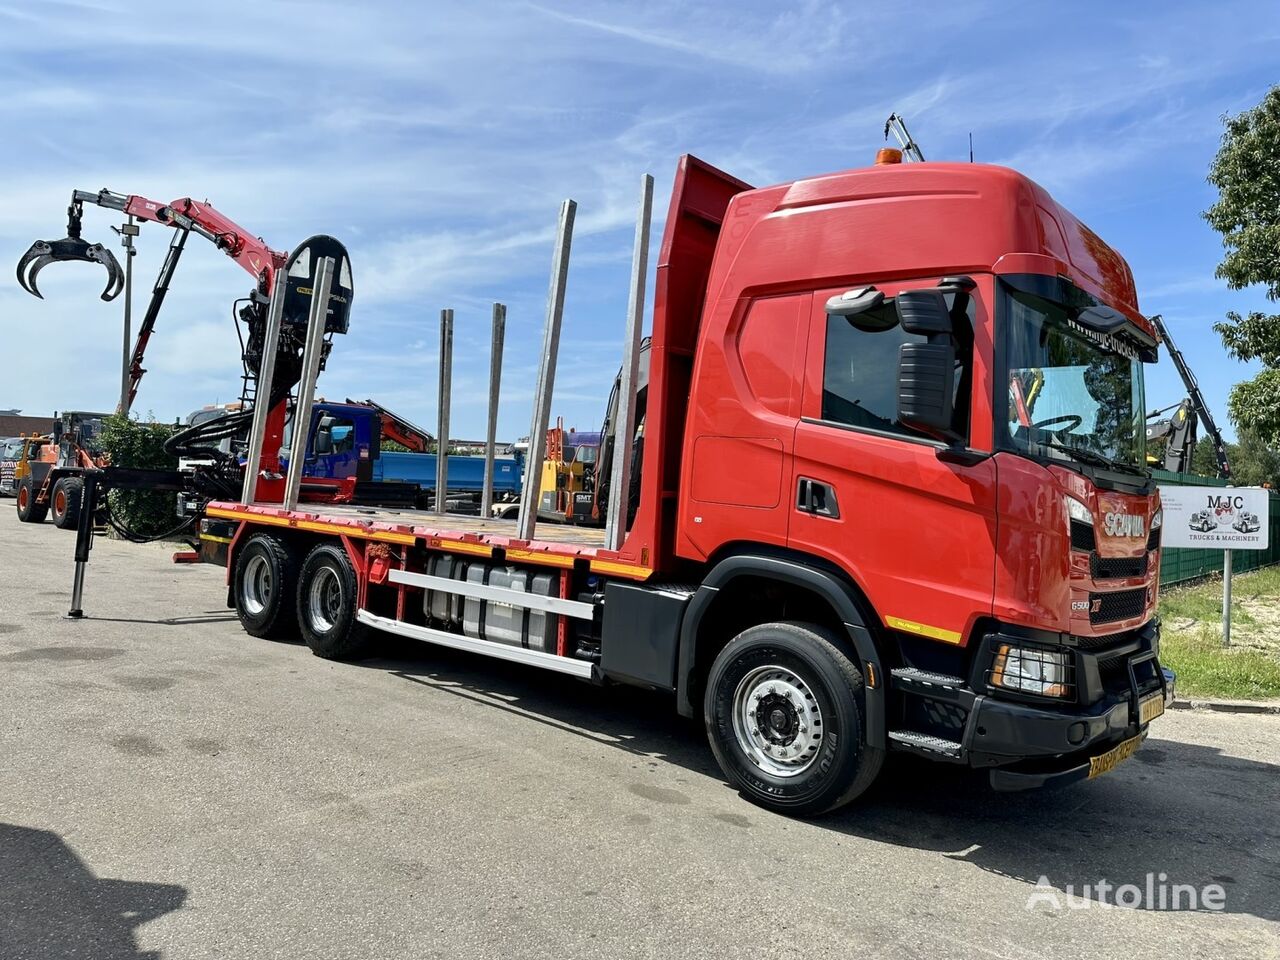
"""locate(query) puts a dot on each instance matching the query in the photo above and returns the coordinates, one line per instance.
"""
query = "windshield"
(1072, 394)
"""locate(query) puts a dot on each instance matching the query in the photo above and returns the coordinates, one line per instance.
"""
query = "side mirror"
(926, 386)
(926, 371)
(924, 312)
(324, 440)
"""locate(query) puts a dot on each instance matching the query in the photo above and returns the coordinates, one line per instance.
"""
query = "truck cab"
(923, 386)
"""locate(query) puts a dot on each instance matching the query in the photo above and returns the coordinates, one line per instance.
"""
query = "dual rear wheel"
(280, 594)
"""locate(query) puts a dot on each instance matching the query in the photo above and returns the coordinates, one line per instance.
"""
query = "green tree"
(1253, 461)
(1246, 172)
(138, 443)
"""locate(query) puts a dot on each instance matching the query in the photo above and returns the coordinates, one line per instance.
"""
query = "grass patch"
(1192, 637)
(1206, 669)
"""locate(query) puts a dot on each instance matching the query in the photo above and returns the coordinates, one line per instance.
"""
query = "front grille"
(1153, 539)
(1119, 605)
(1114, 568)
(1081, 536)
(1105, 640)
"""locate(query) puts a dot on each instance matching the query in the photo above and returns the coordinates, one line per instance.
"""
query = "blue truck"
(345, 450)
(344, 442)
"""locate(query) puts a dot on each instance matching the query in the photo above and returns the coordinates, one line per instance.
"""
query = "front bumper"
(1116, 687)
(1070, 744)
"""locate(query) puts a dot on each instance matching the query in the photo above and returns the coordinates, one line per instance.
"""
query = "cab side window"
(860, 368)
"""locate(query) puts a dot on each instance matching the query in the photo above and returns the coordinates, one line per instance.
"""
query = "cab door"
(742, 421)
(913, 522)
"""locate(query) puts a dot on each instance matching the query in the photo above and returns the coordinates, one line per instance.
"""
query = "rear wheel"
(266, 575)
(28, 510)
(327, 590)
(786, 716)
(68, 494)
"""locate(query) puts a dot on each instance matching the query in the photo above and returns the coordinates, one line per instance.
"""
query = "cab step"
(925, 744)
(938, 686)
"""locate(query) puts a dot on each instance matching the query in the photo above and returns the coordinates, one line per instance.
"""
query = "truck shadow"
(1181, 810)
(52, 905)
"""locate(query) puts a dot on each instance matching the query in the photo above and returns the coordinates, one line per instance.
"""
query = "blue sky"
(437, 142)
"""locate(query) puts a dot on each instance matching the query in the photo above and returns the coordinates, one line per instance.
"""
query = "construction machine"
(1178, 431)
(52, 472)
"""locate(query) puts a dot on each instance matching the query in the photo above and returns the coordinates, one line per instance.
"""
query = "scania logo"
(1124, 525)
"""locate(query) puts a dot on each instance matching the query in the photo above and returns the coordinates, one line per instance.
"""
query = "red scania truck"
(891, 496)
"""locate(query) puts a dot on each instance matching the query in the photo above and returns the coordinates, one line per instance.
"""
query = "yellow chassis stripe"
(539, 556)
(462, 546)
(923, 629)
(624, 569)
(210, 536)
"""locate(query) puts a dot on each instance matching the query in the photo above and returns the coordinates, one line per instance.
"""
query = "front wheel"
(68, 494)
(28, 510)
(786, 716)
(327, 590)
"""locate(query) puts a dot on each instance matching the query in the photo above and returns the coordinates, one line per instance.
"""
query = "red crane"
(185, 216)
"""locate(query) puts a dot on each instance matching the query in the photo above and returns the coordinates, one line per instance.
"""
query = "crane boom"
(1195, 396)
(397, 428)
(186, 216)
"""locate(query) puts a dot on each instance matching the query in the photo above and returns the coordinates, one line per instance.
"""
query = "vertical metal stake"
(624, 425)
(1226, 597)
(127, 232)
(311, 355)
(495, 383)
(528, 518)
(442, 431)
(262, 391)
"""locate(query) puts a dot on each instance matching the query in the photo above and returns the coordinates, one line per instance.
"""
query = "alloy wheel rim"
(777, 721)
(324, 600)
(257, 587)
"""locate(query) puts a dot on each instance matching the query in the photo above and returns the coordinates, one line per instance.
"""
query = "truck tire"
(263, 585)
(68, 494)
(786, 716)
(28, 510)
(327, 591)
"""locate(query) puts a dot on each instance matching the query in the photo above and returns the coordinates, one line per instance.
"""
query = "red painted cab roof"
(916, 219)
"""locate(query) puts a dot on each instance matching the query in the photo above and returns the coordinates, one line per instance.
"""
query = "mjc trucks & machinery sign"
(1216, 518)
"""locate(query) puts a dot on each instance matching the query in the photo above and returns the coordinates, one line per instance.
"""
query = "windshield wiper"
(1088, 456)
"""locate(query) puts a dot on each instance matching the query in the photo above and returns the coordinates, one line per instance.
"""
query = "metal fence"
(1178, 564)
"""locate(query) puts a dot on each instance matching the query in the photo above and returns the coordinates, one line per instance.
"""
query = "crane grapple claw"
(45, 252)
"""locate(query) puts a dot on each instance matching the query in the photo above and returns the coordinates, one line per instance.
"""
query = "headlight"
(1158, 519)
(1045, 673)
(1078, 511)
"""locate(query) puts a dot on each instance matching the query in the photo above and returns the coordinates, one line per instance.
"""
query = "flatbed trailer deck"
(554, 544)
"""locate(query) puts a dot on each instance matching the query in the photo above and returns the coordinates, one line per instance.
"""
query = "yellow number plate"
(1113, 757)
(1150, 708)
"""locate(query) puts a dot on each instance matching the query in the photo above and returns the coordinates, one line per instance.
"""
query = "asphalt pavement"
(170, 787)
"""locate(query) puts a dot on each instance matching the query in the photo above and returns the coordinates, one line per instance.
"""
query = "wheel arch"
(728, 597)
